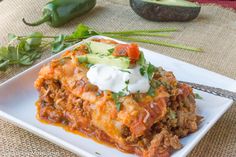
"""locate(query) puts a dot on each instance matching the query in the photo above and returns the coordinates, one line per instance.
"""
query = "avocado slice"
(166, 10)
(100, 48)
(121, 62)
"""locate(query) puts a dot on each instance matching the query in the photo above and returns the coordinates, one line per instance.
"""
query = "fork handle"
(212, 90)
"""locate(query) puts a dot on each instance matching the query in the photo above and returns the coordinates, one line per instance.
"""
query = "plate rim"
(79, 151)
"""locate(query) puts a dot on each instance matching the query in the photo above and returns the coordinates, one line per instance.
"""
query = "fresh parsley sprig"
(24, 50)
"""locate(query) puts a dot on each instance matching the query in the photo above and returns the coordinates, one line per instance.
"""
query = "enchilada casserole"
(146, 114)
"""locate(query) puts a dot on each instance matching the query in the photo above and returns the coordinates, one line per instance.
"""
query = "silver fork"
(212, 90)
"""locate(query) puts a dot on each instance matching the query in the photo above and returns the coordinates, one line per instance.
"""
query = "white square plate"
(18, 96)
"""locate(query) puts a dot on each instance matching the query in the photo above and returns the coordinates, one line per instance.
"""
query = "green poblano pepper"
(59, 12)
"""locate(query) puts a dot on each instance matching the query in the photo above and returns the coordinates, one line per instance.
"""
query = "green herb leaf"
(125, 71)
(81, 32)
(197, 96)
(11, 37)
(12, 53)
(155, 83)
(4, 65)
(35, 55)
(150, 71)
(111, 50)
(58, 47)
(97, 153)
(23, 47)
(151, 91)
(89, 65)
(118, 105)
(34, 39)
(137, 96)
(142, 70)
(121, 94)
(58, 44)
(142, 60)
(26, 60)
(3, 53)
(59, 39)
(125, 90)
(116, 97)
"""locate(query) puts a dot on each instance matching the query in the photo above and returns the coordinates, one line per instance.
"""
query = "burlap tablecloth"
(214, 30)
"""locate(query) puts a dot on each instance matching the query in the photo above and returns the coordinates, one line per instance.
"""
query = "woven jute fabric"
(214, 31)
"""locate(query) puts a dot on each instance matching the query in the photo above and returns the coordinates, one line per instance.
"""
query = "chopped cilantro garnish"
(150, 71)
(118, 105)
(137, 96)
(197, 96)
(97, 153)
(89, 65)
(147, 68)
(141, 60)
(151, 91)
(111, 50)
(121, 94)
(127, 82)
(155, 83)
(142, 70)
(116, 97)
(142, 63)
(126, 89)
(125, 71)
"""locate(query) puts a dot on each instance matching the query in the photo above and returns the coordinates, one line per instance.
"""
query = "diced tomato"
(121, 50)
(138, 128)
(81, 50)
(127, 50)
(133, 52)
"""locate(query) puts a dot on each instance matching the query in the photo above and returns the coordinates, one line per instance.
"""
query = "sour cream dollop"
(117, 80)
